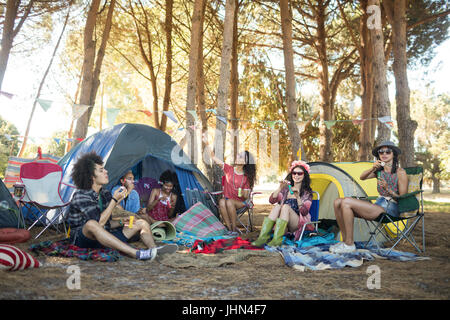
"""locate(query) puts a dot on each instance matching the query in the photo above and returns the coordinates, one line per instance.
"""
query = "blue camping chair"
(314, 212)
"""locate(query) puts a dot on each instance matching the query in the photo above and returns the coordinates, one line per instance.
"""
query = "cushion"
(12, 259)
(199, 221)
(13, 235)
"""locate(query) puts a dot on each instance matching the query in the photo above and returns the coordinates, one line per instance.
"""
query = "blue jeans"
(389, 206)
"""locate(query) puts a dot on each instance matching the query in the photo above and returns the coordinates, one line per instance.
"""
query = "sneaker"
(335, 246)
(148, 254)
(345, 248)
(168, 248)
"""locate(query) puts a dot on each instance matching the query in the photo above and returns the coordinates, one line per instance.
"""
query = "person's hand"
(284, 184)
(120, 194)
(376, 165)
(295, 191)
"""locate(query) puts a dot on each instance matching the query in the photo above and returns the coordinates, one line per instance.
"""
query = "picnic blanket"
(63, 248)
(187, 239)
(320, 258)
(217, 246)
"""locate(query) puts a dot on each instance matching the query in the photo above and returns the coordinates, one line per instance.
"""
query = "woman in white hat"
(392, 182)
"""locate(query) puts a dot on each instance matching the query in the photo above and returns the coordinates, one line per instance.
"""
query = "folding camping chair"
(411, 212)
(314, 212)
(41, 185)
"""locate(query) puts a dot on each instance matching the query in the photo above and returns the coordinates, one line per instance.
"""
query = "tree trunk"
(168, 77)
(91, 66)
(234, 87)
(27, 131)
(222, 91)
(9, 32)
(291, 103)
(406, 126)
(326, 112)
(196, 31)
(365, 138)
(380, 85)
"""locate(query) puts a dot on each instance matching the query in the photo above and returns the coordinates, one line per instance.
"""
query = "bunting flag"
(8, 137)
(78, 110)
(148, 113)
(57, 140)
(194, 114)
(330, 123)
(171, 116)
(111, 115)
(45, 104)
(387, 121)
(357, 122)
(223, 119)
(211, 110)
(271, 124)
(6, 94)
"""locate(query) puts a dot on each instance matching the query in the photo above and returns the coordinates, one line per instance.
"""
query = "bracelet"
(121, 223)
(115, 199)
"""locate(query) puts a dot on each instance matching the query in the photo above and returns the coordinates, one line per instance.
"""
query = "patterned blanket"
(319, 257)
(217, 246)
(64, 248)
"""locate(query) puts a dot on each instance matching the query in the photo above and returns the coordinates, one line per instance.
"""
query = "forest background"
(328, 79)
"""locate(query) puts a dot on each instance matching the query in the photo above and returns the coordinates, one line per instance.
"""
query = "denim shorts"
(80, 240)
(389, 206)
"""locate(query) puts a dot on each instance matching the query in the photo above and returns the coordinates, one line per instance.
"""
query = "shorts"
(390, 206)
(80, 240)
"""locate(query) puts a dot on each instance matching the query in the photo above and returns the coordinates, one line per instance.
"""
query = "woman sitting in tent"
(162, 201)
(392, 183)
(131, 202)
(238, 181)
(293, 198)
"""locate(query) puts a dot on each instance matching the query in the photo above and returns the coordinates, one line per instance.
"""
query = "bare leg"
(290, 216)
(232, 205)
(224, 214)
(143, 228)
(275, 213)
(94, 231)
(339, 218)
(352, 208)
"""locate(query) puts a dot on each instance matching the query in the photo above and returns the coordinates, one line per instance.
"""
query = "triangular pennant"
(78, 110)
(69, 139)
(223, 119)
(194, 114)
(385, 119)
(271, 124)
(45, 104)
(389, 124)
(8, 137)
(57, 140)
(111, 115)
(211, 110)
(148, 113)
(6, 94)
(330, 123)
(171, 116)
(357, 122)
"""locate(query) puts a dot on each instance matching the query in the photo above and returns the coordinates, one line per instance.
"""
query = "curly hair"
(306, 182)
(84, 169)
(168, 176)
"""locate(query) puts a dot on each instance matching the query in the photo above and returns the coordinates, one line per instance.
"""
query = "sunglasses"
(385, 151)
(297, 173)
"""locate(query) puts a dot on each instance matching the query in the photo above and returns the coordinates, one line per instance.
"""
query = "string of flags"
(111, 114)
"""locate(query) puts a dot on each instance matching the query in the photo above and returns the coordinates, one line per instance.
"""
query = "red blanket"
(220, 245)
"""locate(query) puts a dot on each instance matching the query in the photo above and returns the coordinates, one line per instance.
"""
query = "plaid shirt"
(85, 206)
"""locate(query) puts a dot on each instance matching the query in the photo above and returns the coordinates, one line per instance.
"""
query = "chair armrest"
(253, 193)
(407, 195)
(213, 192)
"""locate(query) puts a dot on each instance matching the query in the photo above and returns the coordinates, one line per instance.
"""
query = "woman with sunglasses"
(392, 182)
(293, 198)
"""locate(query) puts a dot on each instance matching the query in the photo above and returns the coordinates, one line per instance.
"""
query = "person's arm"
(173, 202)
(370, 174)
(118, 196)
(211, 152)
(276, 196)
(153, 200)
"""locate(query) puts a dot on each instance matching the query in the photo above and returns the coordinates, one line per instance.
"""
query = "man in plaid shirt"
(90, 211)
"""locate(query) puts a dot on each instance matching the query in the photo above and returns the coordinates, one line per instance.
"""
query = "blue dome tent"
(143, 149)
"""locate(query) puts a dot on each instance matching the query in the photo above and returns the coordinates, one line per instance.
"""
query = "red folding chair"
(41, 183)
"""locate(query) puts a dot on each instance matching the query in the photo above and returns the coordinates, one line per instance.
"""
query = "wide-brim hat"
(388, 144)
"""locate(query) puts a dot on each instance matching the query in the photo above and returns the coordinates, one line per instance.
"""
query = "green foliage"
(8, 145)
